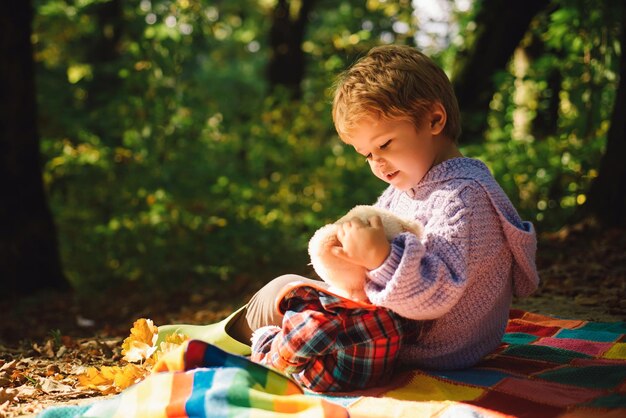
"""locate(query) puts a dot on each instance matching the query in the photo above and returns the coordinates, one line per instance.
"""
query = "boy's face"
(397, 152)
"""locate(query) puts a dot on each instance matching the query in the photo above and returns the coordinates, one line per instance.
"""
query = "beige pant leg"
(262, 306)
(261, 310)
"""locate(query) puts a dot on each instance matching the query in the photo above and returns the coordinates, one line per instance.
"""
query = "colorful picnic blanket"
(546, 367)
(218, 385)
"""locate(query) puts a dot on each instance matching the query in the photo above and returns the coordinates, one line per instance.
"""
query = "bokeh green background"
(168, 157)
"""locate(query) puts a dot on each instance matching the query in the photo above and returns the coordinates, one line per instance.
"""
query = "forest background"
(187, 144)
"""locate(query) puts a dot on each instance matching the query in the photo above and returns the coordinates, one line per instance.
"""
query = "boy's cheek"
(375, 171)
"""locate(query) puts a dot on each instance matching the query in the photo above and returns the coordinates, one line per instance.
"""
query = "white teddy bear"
(347, 279)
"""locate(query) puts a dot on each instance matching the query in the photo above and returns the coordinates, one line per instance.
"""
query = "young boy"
(397, 108)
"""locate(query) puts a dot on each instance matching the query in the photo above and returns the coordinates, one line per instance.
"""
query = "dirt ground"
(46, 341)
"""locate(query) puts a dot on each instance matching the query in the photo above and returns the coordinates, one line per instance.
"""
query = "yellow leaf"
(108, 372)
(175, 338)
(129, 375)
(141, 343)
(96, 379)
(111, 379)
(139, 346)
(171, 342)
(138, 351)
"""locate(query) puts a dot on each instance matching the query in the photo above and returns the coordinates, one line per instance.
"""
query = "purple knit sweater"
(460, 277)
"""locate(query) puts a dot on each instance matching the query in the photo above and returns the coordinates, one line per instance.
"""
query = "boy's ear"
(438, 118)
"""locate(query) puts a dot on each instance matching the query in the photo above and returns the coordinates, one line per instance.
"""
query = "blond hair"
(394, 82)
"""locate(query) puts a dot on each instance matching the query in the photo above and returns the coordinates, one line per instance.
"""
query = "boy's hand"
(361, 243)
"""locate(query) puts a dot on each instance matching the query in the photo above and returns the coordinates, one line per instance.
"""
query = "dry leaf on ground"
(111, 379)
(141, 343)
(138, 347)
(7, 394)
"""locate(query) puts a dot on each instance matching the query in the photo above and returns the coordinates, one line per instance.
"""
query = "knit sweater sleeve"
(423, 279)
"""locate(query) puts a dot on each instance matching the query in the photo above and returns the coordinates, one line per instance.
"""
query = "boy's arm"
(423, 280)
(304, 336)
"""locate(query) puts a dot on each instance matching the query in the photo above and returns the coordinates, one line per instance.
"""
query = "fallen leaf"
(62, 350)
(172, 342)
(139, 346)
(25, 391)
(92, 378)
(6, 371)
(129, 375)
(4, 409)
(52, 386)
(7, 395)
(137, 351)
(78, 369)
(141, 343)
(18, 377)
(111, 379)
(8, 366)
(47, 350)
(52, 369)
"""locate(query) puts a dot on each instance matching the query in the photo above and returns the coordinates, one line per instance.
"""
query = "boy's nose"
(378, 160)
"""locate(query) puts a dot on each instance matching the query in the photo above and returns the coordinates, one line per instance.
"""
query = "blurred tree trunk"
(607, 195)
(29, 256)
(286, 65)
(103, 53)
(500, 26)
(102, 48)
(545, 123)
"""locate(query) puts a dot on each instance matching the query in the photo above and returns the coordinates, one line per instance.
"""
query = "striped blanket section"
(546, 367)
(223, 385)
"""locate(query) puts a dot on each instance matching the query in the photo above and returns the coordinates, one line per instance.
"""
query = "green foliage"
(167, 158)
(551, 114)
